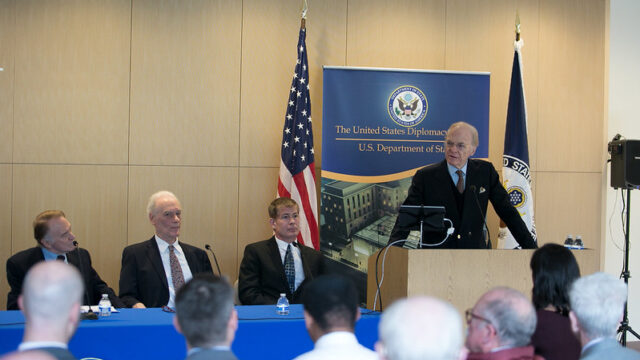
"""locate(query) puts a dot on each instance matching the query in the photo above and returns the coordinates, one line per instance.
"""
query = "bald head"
(420, 327)
(51, 291)
(509, 312)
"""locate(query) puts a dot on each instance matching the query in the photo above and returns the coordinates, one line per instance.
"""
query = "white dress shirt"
(338, 345)
(163, 246)
(297, 259)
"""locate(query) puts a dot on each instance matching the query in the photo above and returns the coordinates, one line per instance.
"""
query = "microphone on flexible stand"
(89, 315)
(208, 247)
(484, 220)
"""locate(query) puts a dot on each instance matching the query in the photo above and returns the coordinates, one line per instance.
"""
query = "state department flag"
(297, 178)
(515, 161)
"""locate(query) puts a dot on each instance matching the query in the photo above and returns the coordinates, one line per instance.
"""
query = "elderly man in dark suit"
(464, 187)
(206, 317)
(52, 231)
(152, 271)
(278, 265)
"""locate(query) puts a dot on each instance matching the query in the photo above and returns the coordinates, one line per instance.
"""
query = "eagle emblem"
(407, 106)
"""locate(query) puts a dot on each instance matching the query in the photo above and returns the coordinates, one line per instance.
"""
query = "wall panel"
(571, 92)
(209, 198)
(568, 203)
(94, 198)
(7, 44)
(269, 39)
(71, 81)
(185, 89)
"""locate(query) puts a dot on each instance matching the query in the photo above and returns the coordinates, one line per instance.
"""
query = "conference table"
(149, 334)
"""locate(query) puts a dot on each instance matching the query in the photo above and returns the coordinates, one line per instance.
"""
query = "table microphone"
(484, 220)
(89, 315)
(208, 247)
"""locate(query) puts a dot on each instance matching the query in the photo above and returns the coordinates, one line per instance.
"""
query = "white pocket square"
(481, 190)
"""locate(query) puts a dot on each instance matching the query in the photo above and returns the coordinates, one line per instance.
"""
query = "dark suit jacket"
(431, 186)
(20, 263)
(210, 354)
(142, 276)
(261, 279)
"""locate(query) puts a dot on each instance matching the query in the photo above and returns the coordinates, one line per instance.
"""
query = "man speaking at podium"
(464, 187)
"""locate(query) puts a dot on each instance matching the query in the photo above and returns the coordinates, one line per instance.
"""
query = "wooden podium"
(458, 276)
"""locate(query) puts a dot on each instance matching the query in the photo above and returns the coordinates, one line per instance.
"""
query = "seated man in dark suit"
(55, 240)
(278, 265)
(206, 317)
(153, 270)
(50, 301)
(464, 187)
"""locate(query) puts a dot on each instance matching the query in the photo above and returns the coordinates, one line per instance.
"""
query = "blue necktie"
(289, 269)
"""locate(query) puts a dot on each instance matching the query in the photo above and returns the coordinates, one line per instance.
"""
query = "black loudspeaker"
(625, 164)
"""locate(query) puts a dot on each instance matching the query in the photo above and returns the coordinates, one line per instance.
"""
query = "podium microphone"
(208, 247)
(484, 219)
(89, 315)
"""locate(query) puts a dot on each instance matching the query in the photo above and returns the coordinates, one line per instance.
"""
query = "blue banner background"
(357, 98)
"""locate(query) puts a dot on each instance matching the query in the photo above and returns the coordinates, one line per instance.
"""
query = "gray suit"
(212, 354)
(608, 349)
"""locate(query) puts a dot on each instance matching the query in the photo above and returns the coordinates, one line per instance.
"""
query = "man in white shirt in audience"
(420, 327)
(330, 314)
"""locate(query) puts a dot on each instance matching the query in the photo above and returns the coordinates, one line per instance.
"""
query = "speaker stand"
(624, 324)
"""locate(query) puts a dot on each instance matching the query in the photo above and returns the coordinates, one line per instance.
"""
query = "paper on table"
(95, 308)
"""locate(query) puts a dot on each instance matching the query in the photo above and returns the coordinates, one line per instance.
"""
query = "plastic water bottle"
(282, 307)
(105, 305)
(568, 242)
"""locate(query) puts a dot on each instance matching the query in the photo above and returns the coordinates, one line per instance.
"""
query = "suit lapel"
(274, 254)
(154, 257)
(191, 260)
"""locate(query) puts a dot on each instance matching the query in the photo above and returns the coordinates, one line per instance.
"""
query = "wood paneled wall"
(103, 102)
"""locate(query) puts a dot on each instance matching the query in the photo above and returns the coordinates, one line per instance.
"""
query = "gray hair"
(50, 290)
(511, 314)
(421, 327)
(151, 205)
(598, 301)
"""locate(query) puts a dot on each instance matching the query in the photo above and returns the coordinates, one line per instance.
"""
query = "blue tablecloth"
(149, 334)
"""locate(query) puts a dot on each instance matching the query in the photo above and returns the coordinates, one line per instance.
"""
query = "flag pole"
(303, 19)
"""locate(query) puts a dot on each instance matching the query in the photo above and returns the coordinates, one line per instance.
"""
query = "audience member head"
(52, 231)
(204, 312)
(283, 217)
(502, 317)
(597, 305)
(420, 327)
(553, 269)
(330, 304)
(165, 214)
(50, 300)
(460, 143)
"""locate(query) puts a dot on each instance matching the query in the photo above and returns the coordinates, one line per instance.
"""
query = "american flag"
(297, 178)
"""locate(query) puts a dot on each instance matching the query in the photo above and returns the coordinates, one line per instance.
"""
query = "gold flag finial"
(517, 26)
(305, 7)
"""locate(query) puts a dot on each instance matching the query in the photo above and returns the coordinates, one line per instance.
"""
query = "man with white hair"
(50, 300)
(597, 304)
(152, 271)
(420, 327)
(500, 326)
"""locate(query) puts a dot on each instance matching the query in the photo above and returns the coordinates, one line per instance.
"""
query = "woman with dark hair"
(554, 268)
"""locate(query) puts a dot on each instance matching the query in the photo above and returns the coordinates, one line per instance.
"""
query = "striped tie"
(289, 269)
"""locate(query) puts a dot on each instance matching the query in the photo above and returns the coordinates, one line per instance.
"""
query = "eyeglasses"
(460, 146)
(469, 315)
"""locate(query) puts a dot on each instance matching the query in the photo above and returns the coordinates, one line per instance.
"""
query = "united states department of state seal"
(407, 106)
